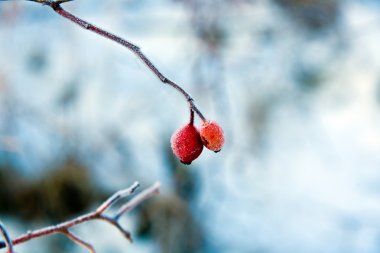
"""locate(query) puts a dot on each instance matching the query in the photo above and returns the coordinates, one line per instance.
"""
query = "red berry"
(212, 135)
(186, 143)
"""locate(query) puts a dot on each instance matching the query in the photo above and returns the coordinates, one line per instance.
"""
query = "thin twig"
(8, 241)
(95, 215)
(59, 228)
(79, 241)
(115, 223)
(191, 121)
(151, 191)
(56, 6)
(118, 195)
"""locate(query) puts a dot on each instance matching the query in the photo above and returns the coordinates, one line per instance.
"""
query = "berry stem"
(56, 6)
(191, 121)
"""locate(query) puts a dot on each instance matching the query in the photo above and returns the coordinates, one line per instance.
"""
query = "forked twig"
(118, 195)
(151, 191)
(98, 214)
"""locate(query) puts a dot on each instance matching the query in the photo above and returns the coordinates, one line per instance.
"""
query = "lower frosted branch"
(98, 214)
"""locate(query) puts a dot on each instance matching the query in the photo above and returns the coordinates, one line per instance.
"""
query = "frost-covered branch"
(98, 214)
(8, 241)
(56, 6)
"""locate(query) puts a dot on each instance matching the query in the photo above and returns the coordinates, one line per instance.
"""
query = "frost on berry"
(186, 143)
(212, 135)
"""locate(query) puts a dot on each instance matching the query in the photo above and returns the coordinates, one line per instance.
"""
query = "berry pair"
(187, 142)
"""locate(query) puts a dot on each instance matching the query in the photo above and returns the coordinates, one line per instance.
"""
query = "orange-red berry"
(212, 135)
(187, 144)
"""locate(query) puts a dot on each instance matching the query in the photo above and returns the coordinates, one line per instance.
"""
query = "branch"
(151, 191)
(79, 241)
(56, 6)
(8, 241)
(98, 214)
(118, 195)
(115, 223)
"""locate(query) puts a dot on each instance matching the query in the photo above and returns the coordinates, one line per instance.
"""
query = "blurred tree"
(314, 15)
(58, 194)
(308, 78)
(186, 182)
(169, 220)
(37, 61)
(69, 189)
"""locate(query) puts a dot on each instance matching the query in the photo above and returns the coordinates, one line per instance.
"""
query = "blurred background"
(294, 83)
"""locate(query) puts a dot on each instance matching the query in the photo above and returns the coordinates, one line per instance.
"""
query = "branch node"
(147, 193)
(115, 197)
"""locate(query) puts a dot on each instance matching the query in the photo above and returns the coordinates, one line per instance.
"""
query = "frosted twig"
(114, 198)
(151, 191)
(8, 241)
(56, 6)
(98, 214)
(79, 241)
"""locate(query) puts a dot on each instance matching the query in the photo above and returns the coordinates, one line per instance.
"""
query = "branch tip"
(115, 197)
(146, 194)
